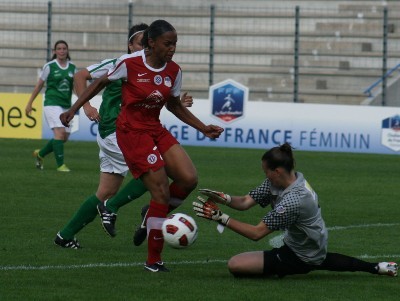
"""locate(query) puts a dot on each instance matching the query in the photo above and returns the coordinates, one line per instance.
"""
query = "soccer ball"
(179, 230)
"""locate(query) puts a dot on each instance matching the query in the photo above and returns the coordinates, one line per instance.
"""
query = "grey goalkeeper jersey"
(295, 210)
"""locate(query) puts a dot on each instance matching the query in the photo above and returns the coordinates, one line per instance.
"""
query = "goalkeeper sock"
(47, 149)
(344, 263)
(155, 239)
(58, 148)
(85, 214)
(133, 190)
(177, 196)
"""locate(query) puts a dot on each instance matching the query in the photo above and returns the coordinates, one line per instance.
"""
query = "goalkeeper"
(295, 209)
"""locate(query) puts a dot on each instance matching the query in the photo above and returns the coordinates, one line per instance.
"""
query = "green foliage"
(354, 190)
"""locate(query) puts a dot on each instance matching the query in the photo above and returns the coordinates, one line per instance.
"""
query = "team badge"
(152, 158)
(70, 74)
(280, 209)
(158, 80)
(167, 82)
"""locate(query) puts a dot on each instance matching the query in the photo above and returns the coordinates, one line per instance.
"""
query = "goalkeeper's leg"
(344, 263)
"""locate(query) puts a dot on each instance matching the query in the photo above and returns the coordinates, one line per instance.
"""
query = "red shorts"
(143, 150)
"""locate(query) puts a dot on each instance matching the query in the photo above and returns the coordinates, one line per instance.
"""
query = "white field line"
(136, 264)
(103, 265)
(273, 242)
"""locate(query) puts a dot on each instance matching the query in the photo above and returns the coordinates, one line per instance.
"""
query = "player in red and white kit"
(151, 80)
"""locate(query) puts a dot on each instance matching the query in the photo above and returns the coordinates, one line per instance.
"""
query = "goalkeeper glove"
(216, 196)
(209, 210)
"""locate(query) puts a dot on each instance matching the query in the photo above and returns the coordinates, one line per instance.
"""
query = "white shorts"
(111, 158)
(52, 114)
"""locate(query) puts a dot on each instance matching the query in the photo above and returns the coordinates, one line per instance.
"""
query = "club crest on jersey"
(280, 209)
(152, 158)
(158, 79)
(228, 100)
(167, 82)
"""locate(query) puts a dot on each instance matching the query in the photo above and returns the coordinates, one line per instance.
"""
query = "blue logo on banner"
(228, 100)
(391, 133)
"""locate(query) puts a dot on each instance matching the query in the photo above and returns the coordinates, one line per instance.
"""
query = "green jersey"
(59, 83)
(112, 97)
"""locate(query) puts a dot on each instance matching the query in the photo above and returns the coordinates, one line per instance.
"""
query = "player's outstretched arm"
(237, 202)
(175, 106)
(87, 95)
(210, 210)
(216, 196)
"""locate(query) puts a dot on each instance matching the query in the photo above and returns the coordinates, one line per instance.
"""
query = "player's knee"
(192, 182)
(234, 265)
(189, 182)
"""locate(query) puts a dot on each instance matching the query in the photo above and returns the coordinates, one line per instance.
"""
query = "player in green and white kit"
(296, 210)
(112, 164)
(58, 75)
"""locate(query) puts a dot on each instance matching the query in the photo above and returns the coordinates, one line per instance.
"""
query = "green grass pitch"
(359, 196)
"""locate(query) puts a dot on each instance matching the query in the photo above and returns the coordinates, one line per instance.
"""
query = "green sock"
(58, 147)
(85, 214)
(47, 149)
(132, 190)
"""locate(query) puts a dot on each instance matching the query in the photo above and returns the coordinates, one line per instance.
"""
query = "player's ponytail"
(280, 156)
(145, 39)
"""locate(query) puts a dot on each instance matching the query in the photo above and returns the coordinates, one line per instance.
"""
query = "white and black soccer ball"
(179, 230)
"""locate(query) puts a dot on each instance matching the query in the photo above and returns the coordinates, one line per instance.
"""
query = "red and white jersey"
(145, 90)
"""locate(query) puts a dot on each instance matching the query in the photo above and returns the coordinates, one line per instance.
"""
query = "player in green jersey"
(295, 209)
(58, 75)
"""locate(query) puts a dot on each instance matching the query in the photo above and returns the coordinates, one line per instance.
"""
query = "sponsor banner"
(311, 127)
(14, 122)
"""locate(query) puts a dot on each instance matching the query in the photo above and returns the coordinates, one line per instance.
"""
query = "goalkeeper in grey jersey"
(295, 210)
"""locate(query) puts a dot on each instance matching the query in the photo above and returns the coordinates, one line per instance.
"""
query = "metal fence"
(347, 53)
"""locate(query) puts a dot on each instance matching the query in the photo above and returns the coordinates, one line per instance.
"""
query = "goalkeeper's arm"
(253, 232)
(237, 202)
(209, 210)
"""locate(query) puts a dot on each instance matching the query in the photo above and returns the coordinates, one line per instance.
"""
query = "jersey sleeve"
(44, 74)
(285, 213)
(176, 89)
(262, 194)
(119, 71)
(99, 69)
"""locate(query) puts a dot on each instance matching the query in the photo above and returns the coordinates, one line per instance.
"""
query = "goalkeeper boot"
(67, 243)
(63, 168)
(141, 231)
(156, 267)
(39, 160)
(108, 219)
(388, 268)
